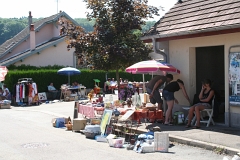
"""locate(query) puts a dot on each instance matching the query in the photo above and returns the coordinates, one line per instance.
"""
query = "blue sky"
(74, 8)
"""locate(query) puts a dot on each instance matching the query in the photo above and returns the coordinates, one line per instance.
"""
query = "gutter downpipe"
(156, 50)
(229, 115)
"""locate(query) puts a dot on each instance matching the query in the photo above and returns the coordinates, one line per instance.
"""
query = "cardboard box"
(55, 119)
(79, 124)
(146, 98)
(5, 106)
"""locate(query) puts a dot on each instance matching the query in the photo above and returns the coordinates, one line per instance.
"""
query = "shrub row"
(44, 77)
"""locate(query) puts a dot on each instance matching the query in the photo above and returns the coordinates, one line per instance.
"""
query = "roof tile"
(200, 14)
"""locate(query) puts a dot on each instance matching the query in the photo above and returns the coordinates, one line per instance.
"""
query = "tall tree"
(112, 44)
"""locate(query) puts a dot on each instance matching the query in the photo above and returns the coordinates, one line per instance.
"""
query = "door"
(210, 64)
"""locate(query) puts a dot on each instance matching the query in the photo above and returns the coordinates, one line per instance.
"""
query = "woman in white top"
(6, 92)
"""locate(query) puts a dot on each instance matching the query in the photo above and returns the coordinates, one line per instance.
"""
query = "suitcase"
(92, 128)
(91, 131)
(90, 135)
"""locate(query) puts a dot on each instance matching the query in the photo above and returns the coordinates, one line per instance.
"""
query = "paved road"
(26, 133)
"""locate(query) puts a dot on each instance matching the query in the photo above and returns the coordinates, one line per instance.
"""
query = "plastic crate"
(161, 141)
(117, 142)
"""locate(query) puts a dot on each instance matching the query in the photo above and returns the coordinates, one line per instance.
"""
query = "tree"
(112, 44)
(9, 27)
(87, 25)
(8, 30)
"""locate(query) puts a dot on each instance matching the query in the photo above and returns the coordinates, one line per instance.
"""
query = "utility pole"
(57, 6)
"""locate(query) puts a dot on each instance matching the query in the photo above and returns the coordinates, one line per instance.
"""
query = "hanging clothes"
(20, 91)
(35, 91)
(30, 90)
(17, 93)
(25, 90)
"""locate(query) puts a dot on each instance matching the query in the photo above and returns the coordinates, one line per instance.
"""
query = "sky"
(74, 8)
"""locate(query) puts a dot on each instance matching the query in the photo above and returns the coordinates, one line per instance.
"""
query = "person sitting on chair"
(75, 85)
(113, 84)
(6, 94)
(206, 96)
(107, 86)
(53, 90)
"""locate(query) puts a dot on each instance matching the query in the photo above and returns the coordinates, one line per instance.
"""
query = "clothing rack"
(29, 90)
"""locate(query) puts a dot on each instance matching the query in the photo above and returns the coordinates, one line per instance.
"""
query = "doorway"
(210, 64)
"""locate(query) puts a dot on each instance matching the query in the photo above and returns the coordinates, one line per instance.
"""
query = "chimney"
(29, 19)
(32, 37)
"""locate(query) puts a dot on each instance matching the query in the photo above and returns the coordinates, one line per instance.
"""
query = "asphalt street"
(26, 133)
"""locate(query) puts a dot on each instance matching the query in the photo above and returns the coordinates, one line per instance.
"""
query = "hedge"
(44, 77)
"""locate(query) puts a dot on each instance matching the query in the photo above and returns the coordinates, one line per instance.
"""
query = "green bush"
(43, 77)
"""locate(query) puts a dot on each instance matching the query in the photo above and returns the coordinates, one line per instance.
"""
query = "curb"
(200, 144)
(204, 145)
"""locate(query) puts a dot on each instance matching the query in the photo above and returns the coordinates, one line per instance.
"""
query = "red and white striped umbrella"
(152, 66)
(3, 72)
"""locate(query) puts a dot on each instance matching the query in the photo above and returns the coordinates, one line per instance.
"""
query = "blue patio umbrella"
(69, 71)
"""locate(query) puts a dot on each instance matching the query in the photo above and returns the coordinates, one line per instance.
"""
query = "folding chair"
(209, 113)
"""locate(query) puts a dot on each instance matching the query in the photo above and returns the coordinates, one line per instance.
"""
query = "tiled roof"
(24, 54)
(10, 44)
(194, 16)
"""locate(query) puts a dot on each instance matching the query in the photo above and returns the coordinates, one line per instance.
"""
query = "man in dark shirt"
(153, 88)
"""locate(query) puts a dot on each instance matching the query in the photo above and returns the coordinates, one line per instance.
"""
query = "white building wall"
(182, 56)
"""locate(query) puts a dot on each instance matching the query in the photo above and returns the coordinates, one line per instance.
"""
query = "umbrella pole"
(144, 89)
(68, 78)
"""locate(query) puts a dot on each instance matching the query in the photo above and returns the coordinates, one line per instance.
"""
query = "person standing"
(168, 95)
(153, 88)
